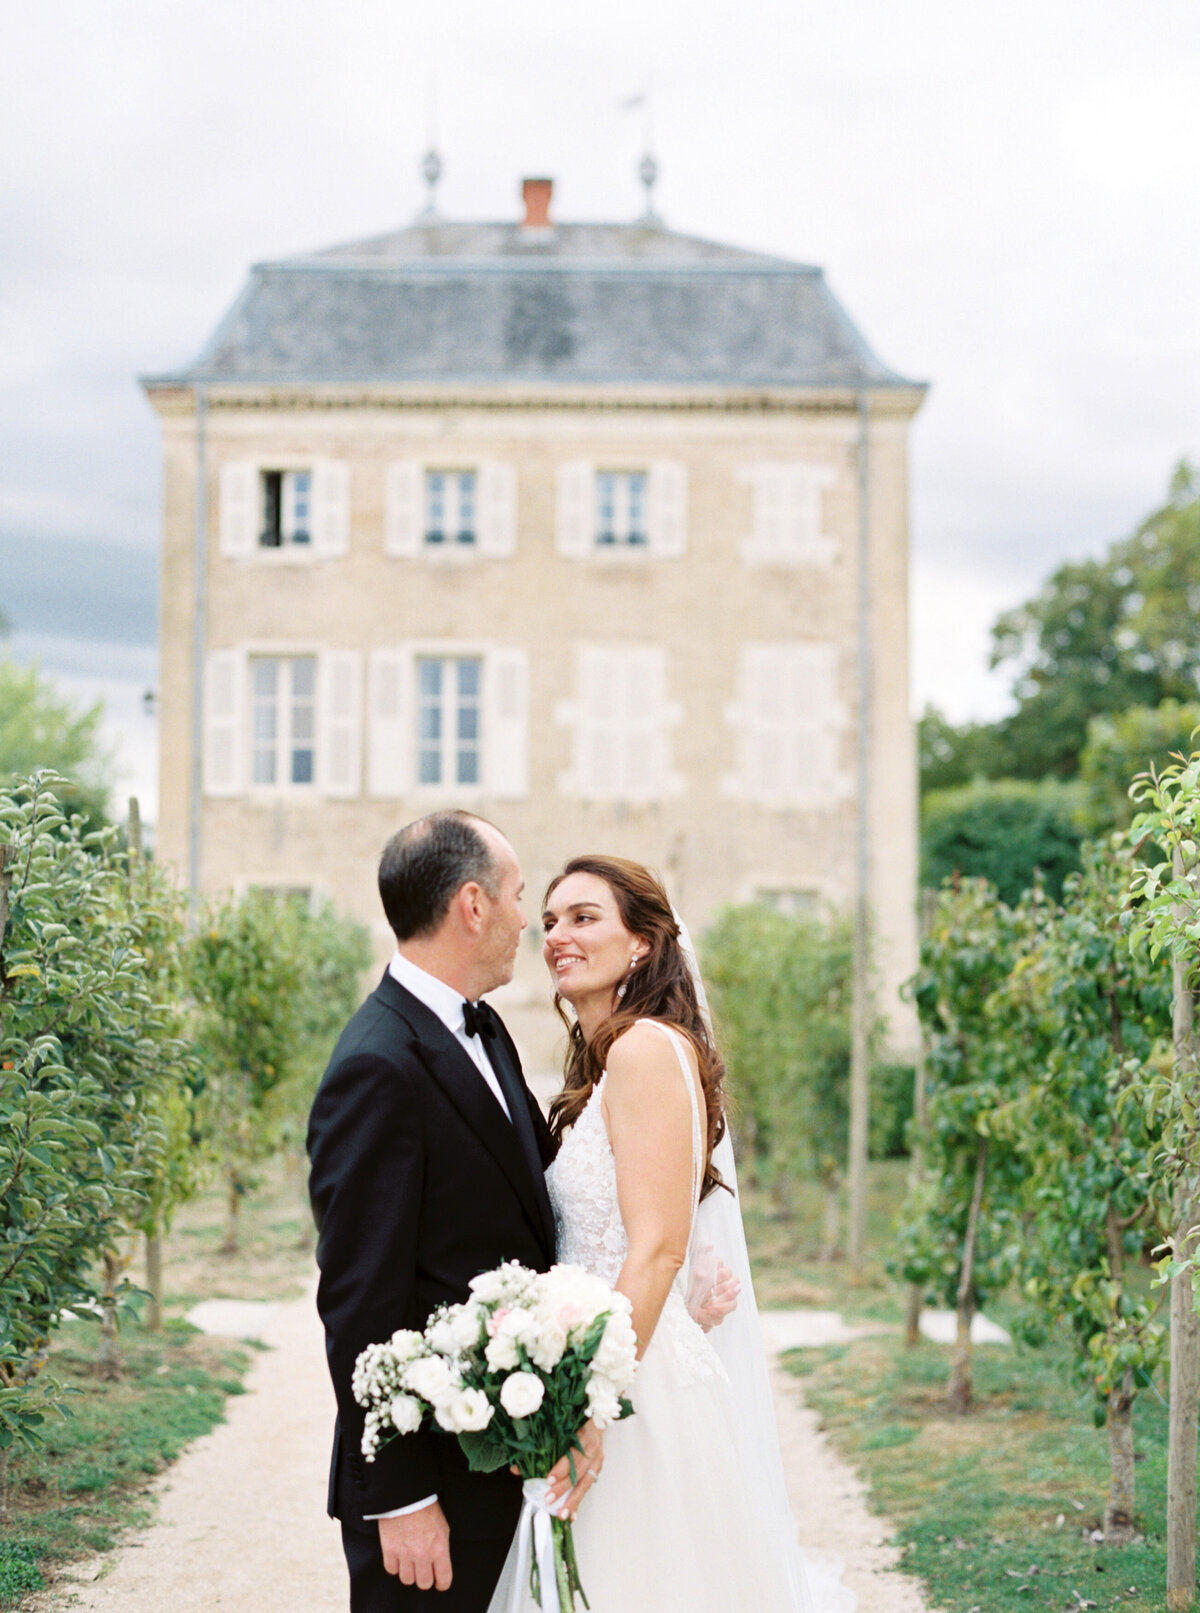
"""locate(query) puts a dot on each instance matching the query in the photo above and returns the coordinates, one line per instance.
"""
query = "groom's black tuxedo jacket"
(419, 1182)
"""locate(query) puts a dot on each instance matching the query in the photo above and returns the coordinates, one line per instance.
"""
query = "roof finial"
(431, 168)
(648, 174)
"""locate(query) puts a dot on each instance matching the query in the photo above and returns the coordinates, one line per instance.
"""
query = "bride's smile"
(588, 950)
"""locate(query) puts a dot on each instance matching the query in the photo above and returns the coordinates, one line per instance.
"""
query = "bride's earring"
(624, 986)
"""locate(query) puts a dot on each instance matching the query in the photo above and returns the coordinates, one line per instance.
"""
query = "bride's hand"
(719, 1301)
(587, 1471)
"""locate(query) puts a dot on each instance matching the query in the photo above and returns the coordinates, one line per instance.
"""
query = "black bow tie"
(478, 1019)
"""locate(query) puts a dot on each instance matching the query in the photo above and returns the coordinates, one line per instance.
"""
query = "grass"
(92, 1479)
(995, 1510)
(784, 1248)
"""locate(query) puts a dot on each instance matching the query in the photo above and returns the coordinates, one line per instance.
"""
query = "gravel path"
(241, 1522)
(241, 1526)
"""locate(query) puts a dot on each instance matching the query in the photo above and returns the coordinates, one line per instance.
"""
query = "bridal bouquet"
(514, 1372)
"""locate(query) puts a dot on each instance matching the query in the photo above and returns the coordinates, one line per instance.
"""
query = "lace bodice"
(582, 1184)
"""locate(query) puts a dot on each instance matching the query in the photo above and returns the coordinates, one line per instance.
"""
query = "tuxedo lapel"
(461, 1080)
(508, 1072)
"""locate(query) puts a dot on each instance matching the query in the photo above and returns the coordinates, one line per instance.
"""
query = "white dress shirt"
(447, 1004)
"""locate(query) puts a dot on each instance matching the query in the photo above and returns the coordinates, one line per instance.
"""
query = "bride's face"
(588, 950)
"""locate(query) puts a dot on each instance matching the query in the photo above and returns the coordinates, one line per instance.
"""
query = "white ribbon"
(535, 1531)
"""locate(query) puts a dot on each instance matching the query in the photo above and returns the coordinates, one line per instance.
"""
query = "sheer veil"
(718, 1234)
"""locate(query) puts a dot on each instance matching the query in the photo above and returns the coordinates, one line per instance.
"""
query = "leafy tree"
(781, 991)
(244, 971)
(961, 1233)
(1167, 920)
(1009, 832)
(1129, 743)
(274, 985)
(1104, 635)
(86, 1049)
(1093, 1195)
(950, 755)
(39, 729)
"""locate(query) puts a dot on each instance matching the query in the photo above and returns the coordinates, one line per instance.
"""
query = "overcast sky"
(1004, 194)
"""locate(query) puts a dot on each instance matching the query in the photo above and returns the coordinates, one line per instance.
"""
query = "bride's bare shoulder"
(642, 1051)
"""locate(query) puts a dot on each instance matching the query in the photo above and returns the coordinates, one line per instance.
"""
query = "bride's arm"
(649, 1119)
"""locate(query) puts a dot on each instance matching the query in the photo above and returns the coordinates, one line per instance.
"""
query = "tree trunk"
(1181, 1432)
(4, 1455)
(108, 1353)
(154, 1280)
(1185, 1331)
(831, 1222)
(958, 1392)
(914, 1304)
(233, 1212)
(1122, 1484)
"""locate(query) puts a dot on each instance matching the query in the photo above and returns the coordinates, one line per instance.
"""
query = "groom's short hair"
(426, 862)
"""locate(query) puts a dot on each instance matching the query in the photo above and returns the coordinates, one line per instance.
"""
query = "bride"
(680, 1508)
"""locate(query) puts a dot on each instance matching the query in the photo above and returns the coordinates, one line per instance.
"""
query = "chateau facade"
(556, 522)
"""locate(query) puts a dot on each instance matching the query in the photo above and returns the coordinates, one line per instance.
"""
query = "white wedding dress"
(670, 1526)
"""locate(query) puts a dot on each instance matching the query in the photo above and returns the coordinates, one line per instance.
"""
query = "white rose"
(501, 1354)
(467, 1324)
(522, 1394)
(488, 1287)
(406, 1413)
(548, 1346)
(616, 1356)
(431, 1378)
(406, 1344)
(603, 1401)
(467, 1412)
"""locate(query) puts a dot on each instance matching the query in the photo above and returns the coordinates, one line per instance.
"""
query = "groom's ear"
(468, 900)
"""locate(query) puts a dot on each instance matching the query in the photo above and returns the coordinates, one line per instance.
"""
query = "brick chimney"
(536, 194)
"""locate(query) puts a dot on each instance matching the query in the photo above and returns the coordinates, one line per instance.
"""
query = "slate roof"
(501, 303)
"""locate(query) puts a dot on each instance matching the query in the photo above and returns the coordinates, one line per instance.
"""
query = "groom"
(427, 1153)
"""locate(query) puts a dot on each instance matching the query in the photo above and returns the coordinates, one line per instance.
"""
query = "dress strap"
(689, 1081)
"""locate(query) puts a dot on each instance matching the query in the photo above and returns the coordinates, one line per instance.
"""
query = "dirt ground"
(241, 1526)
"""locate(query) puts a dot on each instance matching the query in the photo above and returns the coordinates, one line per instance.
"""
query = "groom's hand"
(416, 1547)
(587, 1472)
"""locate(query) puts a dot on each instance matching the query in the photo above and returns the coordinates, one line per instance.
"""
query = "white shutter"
(339, 756)
(789, 514)
(238, 516)
(404, 517)
(392, 723)
(808, 542)
(575, 534)
(772, 513)
(790, 721)
(641, 691)
(331, 508)
(224, 675)
(497, 509)
(668, 509)
(597, 765)
(506, 724)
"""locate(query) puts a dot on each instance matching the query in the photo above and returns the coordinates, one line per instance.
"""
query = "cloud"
(996, 191)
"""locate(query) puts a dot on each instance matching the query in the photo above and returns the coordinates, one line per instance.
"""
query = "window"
(621, 509)
(790, 722)
(791, 903)
(621, 515)
(450, 508)
(789, 525)
(620, 722)
(283, 723)
(449, 692)
(286, 509)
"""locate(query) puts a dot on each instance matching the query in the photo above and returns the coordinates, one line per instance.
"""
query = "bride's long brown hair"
(661, 987)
